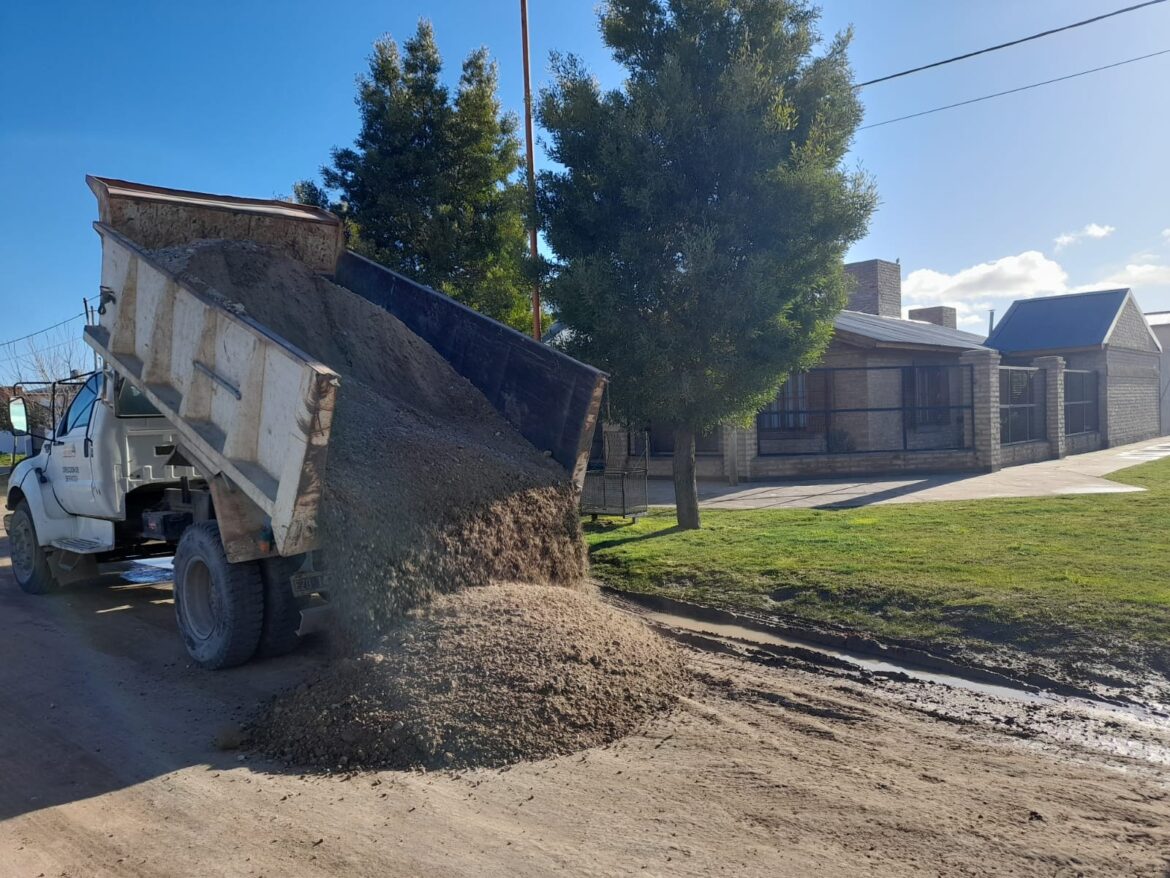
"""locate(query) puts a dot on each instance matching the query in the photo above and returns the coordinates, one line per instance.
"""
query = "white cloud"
(1134, 275)
(973, 291)
(1166, 235)
(1092, 230)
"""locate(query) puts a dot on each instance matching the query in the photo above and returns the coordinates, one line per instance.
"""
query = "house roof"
(1054, 323)
(894, 330)
(1158, 318)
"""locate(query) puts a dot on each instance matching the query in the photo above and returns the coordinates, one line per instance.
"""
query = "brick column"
(746, 444)
(985, 374)
(1053, 402)
(731, 453)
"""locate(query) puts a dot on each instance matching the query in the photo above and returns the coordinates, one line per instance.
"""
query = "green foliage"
(1046, 574)
(703, 211)
(430, 187)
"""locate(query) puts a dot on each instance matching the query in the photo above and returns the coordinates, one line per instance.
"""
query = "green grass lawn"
(1027, 572)
(7, 460)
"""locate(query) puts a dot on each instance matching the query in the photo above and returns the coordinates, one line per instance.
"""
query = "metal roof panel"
(894, 330)
(1054, 323)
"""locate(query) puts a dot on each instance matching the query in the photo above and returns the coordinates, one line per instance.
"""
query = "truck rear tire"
(30, 565)
(282, 613)
(219, 605)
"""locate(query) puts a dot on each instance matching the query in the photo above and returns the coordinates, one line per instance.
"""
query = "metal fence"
(869, 410)
(1081, 402)
(1022, 409)
(615, 481)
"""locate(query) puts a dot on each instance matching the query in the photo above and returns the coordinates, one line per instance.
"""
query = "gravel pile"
(483, 677)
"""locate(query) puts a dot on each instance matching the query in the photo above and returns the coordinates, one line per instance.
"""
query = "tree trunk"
(686, 491)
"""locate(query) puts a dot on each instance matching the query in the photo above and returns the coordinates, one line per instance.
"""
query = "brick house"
(1103, 336)
(919, 395)
(889, 394)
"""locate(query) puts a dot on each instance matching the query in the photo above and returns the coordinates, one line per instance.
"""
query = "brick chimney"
(878, 288)
(940, 315)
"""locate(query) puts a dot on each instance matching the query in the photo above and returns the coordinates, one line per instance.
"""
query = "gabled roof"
(1056, 323)
(895, 331)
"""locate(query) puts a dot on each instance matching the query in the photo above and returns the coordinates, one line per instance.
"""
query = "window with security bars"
(926, 393)
(1080, 402)
(869, 409)
(798, 406)
(1022, 415)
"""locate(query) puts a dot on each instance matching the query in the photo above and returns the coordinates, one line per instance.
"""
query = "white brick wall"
(1132, 379)
(1163, 334)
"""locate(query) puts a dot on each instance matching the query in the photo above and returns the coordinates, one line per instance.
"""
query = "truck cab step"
(80, 546)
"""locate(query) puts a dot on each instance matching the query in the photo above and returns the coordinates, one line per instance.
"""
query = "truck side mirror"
(18, 416)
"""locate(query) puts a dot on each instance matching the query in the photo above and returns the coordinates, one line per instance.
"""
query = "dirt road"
(108, 767)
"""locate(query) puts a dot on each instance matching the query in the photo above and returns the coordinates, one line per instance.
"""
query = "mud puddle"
(145, 571)
(1008, 690)
(1129, 735)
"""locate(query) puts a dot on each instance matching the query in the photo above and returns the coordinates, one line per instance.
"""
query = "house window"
(1080, 402)
(926, 396)
(789, 410)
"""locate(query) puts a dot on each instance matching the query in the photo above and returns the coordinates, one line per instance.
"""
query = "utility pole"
(536, 330)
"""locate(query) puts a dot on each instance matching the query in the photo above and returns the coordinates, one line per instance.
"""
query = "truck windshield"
(131, 403)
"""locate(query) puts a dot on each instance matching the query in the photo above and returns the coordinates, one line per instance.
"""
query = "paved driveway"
(1079, 474)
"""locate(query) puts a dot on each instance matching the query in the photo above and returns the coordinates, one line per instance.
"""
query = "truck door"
(70, 464)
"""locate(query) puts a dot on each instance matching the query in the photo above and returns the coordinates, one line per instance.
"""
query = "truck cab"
(110, 483)
(108, 458)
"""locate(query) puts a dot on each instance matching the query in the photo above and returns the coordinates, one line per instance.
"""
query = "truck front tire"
(219, 605)
(30, 565)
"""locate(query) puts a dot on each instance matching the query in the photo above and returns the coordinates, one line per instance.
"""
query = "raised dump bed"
(253, 411)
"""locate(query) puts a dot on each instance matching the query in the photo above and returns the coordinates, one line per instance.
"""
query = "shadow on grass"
(621, 541)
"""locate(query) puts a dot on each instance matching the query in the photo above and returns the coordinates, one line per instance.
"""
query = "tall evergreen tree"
(430, 187)
(703, 209)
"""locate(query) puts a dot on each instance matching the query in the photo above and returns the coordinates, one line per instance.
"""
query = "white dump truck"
(203, 434)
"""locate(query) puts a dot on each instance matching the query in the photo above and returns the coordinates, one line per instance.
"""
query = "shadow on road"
(98, 694)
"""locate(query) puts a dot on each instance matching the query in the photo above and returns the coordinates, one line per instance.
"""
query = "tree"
(430, 187)
(35, 364)
(701, 213)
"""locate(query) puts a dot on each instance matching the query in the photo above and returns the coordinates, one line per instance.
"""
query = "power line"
(1012, 91)
(1046, 33)
(33, 353)
(4, 344)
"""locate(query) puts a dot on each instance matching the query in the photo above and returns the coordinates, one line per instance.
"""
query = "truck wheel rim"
(198, 600)
(23, 546)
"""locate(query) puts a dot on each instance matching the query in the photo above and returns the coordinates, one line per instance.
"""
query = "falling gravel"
(431, 500)
(427, 488)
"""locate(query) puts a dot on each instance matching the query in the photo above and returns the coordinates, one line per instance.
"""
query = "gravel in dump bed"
(482, 677)
(427, 488)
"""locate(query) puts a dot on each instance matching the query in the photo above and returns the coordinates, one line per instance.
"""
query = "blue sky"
(1056, 189)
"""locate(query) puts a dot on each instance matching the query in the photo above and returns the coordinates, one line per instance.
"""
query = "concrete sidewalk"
(1079, 474)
